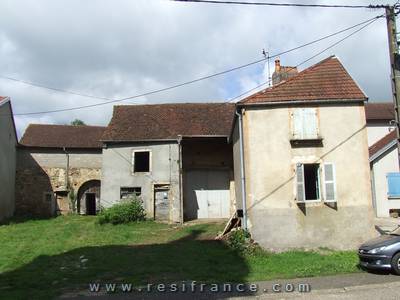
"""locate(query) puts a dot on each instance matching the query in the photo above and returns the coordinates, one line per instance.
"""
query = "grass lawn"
(43, 258)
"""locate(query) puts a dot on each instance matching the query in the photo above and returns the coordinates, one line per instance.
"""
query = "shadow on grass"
(24, 218)
(187, 259)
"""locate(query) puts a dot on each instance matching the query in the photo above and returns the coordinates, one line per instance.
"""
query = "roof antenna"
(267, 57)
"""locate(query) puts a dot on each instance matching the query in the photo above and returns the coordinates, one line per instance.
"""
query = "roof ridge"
(176, 103)
(301, 73)
(64, 125)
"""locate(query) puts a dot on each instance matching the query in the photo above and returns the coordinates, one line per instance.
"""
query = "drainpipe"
(180, 179)
(242, 170)
(66, 169)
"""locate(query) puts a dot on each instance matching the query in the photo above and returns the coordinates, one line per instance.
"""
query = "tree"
(77, 122)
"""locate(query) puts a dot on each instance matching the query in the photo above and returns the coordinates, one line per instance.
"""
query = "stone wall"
(41, 179)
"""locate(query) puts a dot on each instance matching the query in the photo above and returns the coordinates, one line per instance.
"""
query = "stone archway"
(88, 197)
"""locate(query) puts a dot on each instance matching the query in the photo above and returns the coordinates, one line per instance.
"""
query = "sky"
(117, 49)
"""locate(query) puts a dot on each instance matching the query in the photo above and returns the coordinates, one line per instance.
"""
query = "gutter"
(66, 169)
(180, 179)
(308, 102)
(382, 151)
(242, 169)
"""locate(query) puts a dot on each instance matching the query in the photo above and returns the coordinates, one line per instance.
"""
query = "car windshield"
(396, 231)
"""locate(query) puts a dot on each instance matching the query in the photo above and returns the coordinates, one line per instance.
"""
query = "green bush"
(130, 210)
(239, 239)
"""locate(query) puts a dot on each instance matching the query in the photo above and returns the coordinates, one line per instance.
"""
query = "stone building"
(59, 170)
(176, 157)
(303, 147)
(8, 143)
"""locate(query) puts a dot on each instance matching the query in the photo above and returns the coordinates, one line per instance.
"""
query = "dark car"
(382, 253)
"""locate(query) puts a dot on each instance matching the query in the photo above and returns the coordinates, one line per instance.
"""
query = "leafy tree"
(77, 122)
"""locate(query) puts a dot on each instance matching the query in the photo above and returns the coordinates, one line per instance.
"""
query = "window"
(141, 161)
(393, 180)
(308, 186)
(308, 182)
(130, 192)
(304, 124)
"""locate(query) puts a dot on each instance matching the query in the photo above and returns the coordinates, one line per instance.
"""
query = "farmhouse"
(8, 142)
(302, 145)
(59, 170)
(176, 157)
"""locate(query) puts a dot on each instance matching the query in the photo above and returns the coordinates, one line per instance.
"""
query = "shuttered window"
(329, 182)
(393, 180)
(300, 183)
(304, 123)
(308, 182)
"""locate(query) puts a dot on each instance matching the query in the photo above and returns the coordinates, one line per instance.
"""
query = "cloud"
(117, 49)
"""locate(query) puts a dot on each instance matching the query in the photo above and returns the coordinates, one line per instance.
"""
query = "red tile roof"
(379, 111)
(379, 145)
(167, 121)
(326, 80)
(59, 136)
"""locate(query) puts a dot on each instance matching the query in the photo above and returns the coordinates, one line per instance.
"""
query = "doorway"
(90, 204)
(161, 202)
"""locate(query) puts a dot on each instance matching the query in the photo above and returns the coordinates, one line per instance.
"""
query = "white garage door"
(206, 194)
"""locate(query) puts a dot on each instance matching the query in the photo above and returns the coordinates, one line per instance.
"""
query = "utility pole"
(395, 67)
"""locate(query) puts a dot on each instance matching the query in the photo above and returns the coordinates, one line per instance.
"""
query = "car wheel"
(396, 263)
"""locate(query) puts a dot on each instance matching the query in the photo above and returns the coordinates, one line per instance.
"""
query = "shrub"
(240, 241)
(130, 210)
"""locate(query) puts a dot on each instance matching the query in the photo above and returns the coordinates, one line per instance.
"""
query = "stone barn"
(59, 170)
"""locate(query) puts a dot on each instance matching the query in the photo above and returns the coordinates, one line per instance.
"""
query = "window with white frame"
(308, 182)
(304, 124)
(141, 161)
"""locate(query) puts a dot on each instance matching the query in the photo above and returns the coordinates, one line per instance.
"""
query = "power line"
(282, 4)
(109, 100)
(308, 59)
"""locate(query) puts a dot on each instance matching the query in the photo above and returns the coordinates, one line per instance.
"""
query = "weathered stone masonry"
(41, 178)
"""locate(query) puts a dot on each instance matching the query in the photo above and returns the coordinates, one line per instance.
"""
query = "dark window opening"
(311, 181)
(130, 192)
(141, 161)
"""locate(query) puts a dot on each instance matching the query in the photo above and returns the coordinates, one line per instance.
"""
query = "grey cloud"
(120, 48)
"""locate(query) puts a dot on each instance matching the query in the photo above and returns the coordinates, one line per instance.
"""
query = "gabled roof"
(168, 121)
(383, 111)
(386, 142)
(60, 136)
(326, 80)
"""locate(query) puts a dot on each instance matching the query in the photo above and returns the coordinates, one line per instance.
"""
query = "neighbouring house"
(8, 144)
(380, 120)
(384, 159)
(303, 147)
(59, 170)
(175, 157)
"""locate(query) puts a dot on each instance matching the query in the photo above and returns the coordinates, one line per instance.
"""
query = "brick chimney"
(282, 73)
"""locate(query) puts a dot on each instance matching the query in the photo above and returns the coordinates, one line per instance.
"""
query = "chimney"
(277, 65)
(282, 73)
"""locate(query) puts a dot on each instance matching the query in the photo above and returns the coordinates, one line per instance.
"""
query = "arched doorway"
(89, 198)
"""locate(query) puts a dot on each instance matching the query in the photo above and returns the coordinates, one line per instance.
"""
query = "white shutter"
(329, 182)
(301, 196)
(297, 121)
(310, 121)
